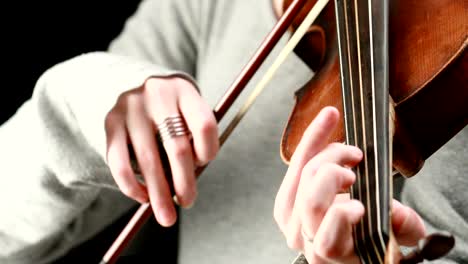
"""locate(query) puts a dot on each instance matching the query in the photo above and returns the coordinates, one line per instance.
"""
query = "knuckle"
(131, 99)
(309, 169)
(208, 126)
(317, 208)
(329, 170)
(327, 248)
(151, 83)
(330, 167)
(181, 150)
(336, 145)
(336, 173)
(121, 99)
(348, 175)
(338, 212)
(336, 148)
(130, 190)
(111, 118)
(183, 83)
(157, 88)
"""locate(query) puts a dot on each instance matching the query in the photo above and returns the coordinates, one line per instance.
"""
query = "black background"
(38, 34)
(35, 35)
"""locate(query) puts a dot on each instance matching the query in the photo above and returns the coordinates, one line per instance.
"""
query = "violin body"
(428, 80)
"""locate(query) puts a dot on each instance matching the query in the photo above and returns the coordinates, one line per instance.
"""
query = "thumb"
(408, 226)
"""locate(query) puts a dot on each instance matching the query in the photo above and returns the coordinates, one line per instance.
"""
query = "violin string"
(347, 82)
(374, 112)
(346, 85)
(288, 48)
(367, 174)
(364, 134)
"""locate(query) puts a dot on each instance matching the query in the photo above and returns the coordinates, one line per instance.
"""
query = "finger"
(333, 241)
(313, 141)
(118, 159)
(179, 152)
(315, 195)
(200, 121)
(318, 192)
(141, 134)
(293, 231)
(338, 153)
(333, 175)
(408, 226)
(161, 102)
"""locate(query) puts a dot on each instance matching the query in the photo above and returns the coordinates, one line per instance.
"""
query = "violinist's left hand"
(313, 214)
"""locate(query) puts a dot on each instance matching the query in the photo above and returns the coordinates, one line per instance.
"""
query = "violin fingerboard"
(362, 41)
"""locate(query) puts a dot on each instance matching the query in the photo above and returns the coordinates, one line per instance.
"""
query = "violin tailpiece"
(431, 247)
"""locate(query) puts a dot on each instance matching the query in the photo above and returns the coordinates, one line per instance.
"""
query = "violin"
(396, 70)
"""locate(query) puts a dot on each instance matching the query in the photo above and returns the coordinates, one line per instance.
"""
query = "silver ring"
(306, 237)
(172, 126)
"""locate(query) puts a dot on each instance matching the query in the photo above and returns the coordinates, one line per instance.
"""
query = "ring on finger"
(172, 126)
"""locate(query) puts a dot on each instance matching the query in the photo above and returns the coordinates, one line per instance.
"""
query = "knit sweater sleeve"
(53, 165)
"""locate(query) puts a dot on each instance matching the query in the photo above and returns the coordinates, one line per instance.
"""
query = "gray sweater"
(57, 191)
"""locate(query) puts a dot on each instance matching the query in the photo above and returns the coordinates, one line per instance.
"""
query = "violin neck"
(363, 51)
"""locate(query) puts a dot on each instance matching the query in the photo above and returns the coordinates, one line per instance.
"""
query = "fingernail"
(189, 205)
(194, 198)
(185, 204)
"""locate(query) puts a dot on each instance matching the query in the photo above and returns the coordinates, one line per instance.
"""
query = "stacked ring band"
(173, 126)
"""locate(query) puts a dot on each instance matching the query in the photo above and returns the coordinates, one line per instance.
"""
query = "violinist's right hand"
(133, 121)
